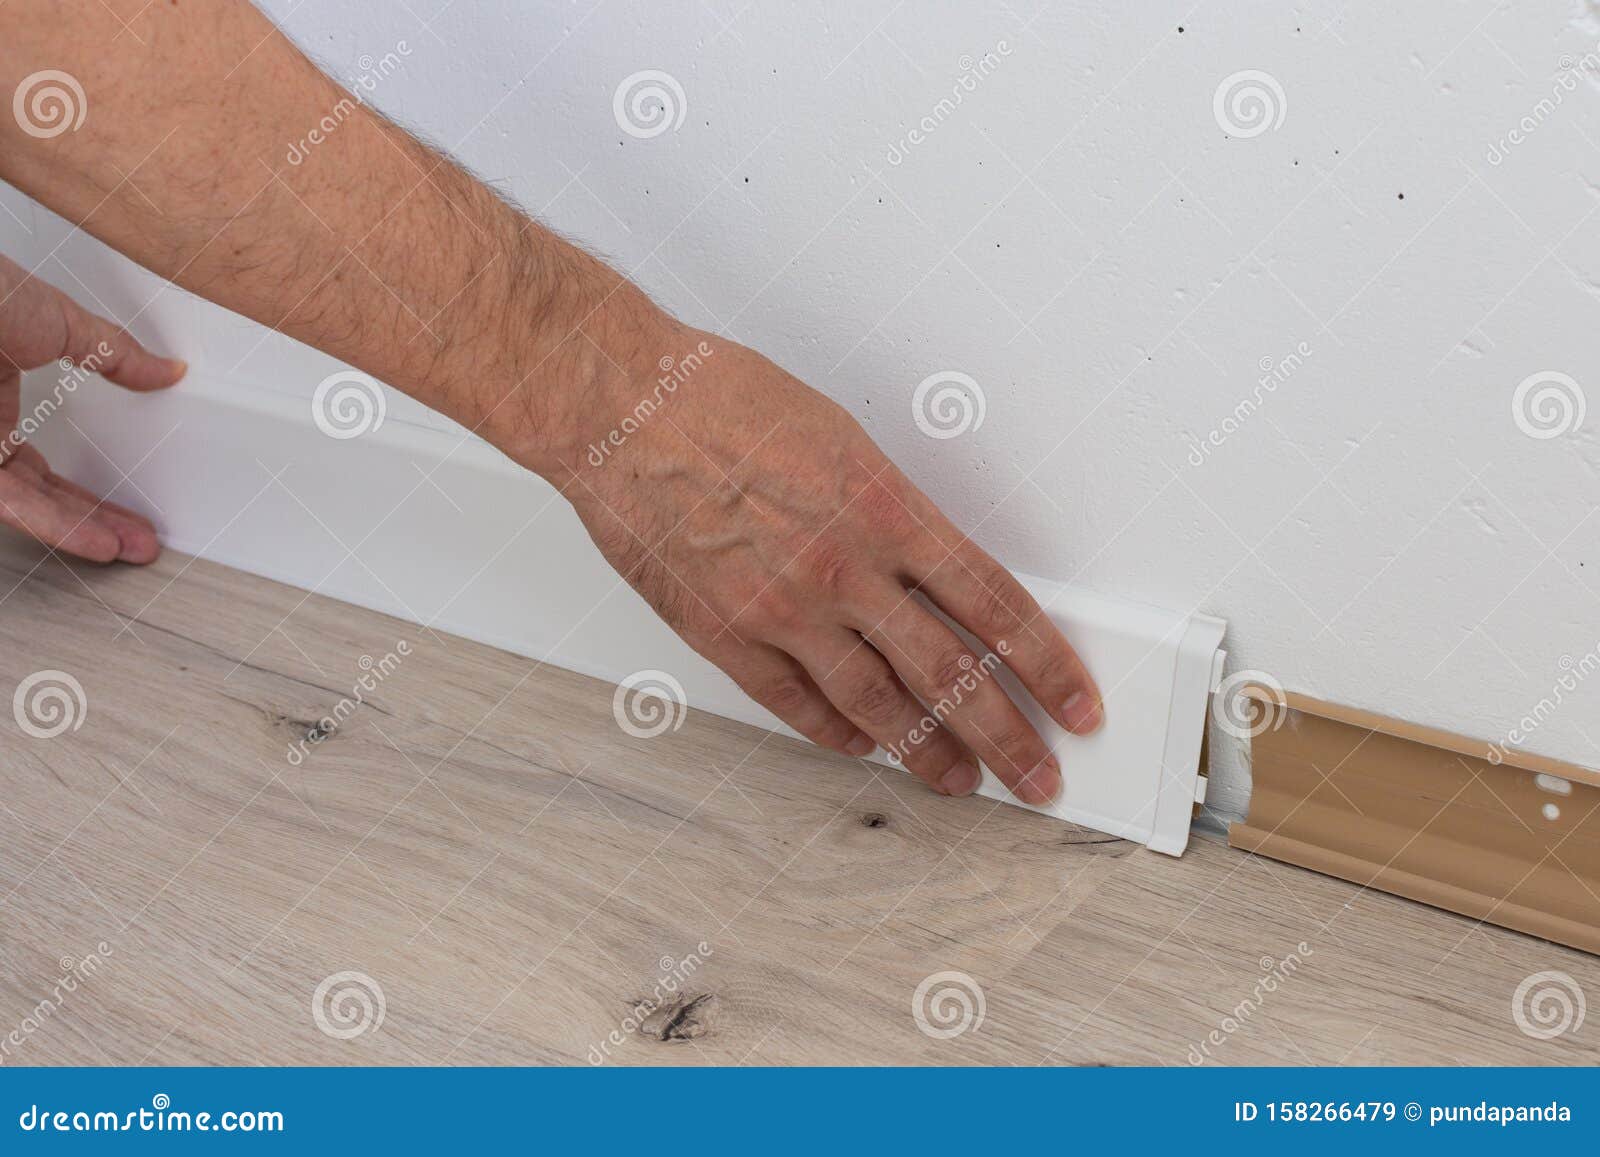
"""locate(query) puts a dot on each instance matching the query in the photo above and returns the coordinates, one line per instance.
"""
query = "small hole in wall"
(1551, 812)
(1553, 784)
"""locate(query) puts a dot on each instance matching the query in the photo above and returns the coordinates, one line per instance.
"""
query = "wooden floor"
(482, 842)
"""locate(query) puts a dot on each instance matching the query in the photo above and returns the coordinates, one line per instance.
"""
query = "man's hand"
(754, 514)
(40, 325)
(765, 526)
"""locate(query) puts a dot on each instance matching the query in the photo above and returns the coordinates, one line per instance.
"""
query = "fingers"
(65, 516)
(959, 688)
(865, 688)
(141, 543)
(55, 520)
(983, 597)
(113, 353)
(782, 686)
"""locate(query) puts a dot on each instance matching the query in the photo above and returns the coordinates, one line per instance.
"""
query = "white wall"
(1083, 239)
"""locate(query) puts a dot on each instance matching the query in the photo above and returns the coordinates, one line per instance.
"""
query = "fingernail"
(1042, 784)
(136, 548)
(962, 779)
(1082, 713)
(861, 745)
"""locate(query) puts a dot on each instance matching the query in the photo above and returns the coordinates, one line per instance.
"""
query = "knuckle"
(884, 508)
(831, 565)
(836, 733)
(999, 604)
(928, 753)
(776, 610)
(877, 702)
(1056, 669)
(951, 667)
(1018, 743)
(788, 696)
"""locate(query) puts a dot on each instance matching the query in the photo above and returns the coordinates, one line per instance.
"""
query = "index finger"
(94, 344)
(986, 599)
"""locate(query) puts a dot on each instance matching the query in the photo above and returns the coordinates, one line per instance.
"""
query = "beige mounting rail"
(1500, 836)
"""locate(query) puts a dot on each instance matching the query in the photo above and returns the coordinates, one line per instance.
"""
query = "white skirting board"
(447, 533)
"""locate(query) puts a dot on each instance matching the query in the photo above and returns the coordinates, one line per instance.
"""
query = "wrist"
(580, 371)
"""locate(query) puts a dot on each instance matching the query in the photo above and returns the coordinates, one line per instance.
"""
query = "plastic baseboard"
(1503, 836)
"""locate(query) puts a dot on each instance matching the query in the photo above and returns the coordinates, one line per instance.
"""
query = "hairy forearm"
(195, 158)
(753, 513)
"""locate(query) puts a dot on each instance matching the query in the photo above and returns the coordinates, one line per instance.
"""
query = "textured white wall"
(1082, 238)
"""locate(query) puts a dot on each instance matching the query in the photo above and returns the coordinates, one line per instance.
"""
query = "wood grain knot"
(682, 1017)
(310, 730)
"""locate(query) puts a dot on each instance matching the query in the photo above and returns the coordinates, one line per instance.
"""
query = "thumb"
(94, 344)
